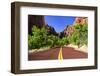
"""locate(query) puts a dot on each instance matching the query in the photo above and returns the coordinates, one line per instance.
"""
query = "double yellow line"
(60, 56)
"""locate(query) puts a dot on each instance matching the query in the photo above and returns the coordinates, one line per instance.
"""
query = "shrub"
(38, 38)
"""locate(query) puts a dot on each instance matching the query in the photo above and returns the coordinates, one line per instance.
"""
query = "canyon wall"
(36, 20)
(70, 28)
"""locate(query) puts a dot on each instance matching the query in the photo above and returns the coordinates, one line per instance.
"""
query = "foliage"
(38, 38)
(63, 41)
(79, 37)
(41, 38)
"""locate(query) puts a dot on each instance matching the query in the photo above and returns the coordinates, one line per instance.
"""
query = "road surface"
(59, 53)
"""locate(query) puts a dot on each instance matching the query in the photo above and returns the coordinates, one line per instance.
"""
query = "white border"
(25, 64)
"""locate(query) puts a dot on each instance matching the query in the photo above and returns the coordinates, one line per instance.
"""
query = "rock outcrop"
(51, 29)
(39, 21)
(35, 20)
(80, 20)
(68, 31)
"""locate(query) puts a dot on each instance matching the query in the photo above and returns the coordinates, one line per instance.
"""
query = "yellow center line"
(60, 56)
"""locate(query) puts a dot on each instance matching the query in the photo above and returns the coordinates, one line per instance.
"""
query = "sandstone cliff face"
(39, 21)
(68, 31)
(81, 20)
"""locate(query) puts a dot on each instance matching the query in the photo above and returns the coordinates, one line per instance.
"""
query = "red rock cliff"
(78, 20)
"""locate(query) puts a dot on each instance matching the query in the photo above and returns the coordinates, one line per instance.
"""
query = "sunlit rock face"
(68, 31)
(81, 20)
(39, 21)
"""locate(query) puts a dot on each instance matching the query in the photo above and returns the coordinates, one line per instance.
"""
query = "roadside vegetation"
(40, 38)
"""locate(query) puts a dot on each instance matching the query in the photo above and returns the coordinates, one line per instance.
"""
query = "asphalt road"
(53, 53)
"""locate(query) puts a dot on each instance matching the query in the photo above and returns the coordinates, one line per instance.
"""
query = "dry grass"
(83, 48)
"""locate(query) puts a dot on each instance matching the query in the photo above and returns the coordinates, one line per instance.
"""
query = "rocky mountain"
(51, 30)
(39, 21)
(68, 31)
(80, 20)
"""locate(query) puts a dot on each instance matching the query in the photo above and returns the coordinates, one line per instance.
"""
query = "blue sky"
(59, 22)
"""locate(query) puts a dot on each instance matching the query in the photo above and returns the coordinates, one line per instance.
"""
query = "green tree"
(52, 40)
(79, 37)
(38, 38)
